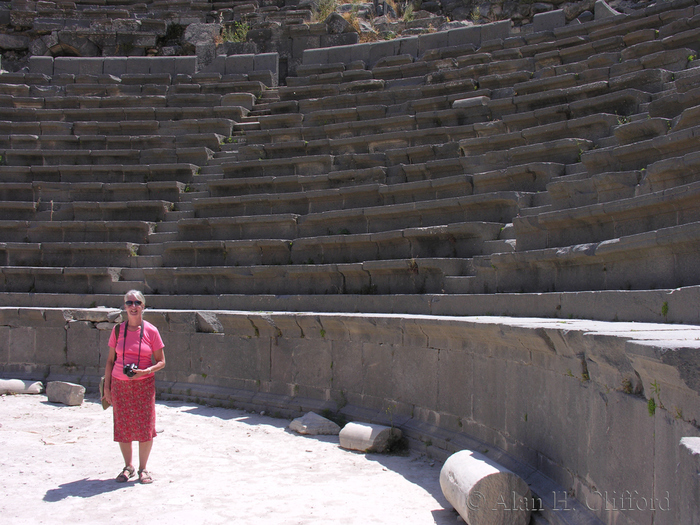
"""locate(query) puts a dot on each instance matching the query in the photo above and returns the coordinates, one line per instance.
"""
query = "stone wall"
(582, 410)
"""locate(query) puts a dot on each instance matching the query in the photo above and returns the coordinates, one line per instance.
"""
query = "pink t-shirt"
(151, 342)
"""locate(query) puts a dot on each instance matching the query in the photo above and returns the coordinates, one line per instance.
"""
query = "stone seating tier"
(219, 126)
(461, 240)
(442, 125)
(104, 173)
(609, 220)
(186, 100)
(295, 183)
(136, 232)
(119, 114)
(645, 261)
(368, 277)
(82, 142)
(90, 191)
(310, 201)
(148, 210)
(639, 155)
(498, 207)
(198, 155)
(73, 254)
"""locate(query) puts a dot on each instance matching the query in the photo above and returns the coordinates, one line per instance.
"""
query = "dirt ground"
(210, 465)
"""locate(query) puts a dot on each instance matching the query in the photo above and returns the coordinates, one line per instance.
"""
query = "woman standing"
(135, 354)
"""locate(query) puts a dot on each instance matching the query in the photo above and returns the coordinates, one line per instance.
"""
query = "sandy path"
(210, 465)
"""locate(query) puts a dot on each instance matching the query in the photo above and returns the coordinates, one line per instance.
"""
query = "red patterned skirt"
(134, 409)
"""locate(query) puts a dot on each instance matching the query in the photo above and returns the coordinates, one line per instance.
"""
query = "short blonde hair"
(139, 296)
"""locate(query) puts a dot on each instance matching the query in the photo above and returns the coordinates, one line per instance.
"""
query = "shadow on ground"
(84, 488)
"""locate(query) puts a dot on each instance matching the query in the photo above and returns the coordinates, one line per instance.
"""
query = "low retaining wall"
(590, 414)
(186, 65)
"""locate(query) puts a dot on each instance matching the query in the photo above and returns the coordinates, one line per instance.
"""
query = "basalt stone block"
(67, 393)
(548, 21)
(368, 437)
(312, 424)
(484, 492)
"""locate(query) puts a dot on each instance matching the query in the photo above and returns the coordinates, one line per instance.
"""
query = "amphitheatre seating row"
(625, 90)
(530, 163)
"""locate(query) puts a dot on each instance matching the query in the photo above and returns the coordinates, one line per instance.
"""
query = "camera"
(130, 369)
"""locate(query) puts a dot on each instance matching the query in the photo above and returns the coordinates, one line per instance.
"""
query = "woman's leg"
(127, 453)
(144, 451)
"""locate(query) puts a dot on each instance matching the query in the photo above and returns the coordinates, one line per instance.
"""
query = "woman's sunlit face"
(133, 305)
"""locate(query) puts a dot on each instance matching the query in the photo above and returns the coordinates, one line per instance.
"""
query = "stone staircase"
(559, 161)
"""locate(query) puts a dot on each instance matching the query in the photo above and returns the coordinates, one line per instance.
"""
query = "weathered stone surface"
(18, 386)
(313, 424)
(368, 437)
(484, 492)
(689, 466)
(67, 393)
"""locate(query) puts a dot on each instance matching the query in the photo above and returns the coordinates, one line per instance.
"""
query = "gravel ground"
(210, 465)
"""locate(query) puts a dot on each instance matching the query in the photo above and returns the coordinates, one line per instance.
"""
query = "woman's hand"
(142, 372)
(107, 395)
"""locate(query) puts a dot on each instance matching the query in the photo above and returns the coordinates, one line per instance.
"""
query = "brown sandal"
(145, 476)
(127, 473)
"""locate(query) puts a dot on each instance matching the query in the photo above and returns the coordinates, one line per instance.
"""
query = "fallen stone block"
(67, 393)
(18, 386)
(368, 437)
(312, 424)
(484, 492)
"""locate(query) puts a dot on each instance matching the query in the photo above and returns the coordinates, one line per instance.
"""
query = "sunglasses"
(132, 303)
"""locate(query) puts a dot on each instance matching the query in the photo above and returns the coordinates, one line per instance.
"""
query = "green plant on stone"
(664, 309)
(324, 9)
(475, 14)
(236, 33)
(651, 406)
(408, 15)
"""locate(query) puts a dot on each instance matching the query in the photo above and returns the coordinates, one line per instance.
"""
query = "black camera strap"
(126, 330)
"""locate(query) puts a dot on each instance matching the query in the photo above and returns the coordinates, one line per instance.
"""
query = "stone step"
(147, 261)
(641, 154)
(576, 190)
(455, 240)
(427, 276)
(122, 287)
(120, 114)
(185, 206)
(174, 216)
(309, 201)
(35, 157)
(161, 237)
(608, 305)
(623, 217)
(75, 231)
(498, 207)
(104, 173)
(246, 126)
(643, 261)
(151, 248)
(83, 143)
(197, 191)
(61, 192)
(135, 210)
(499, 246)
(166, 227)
